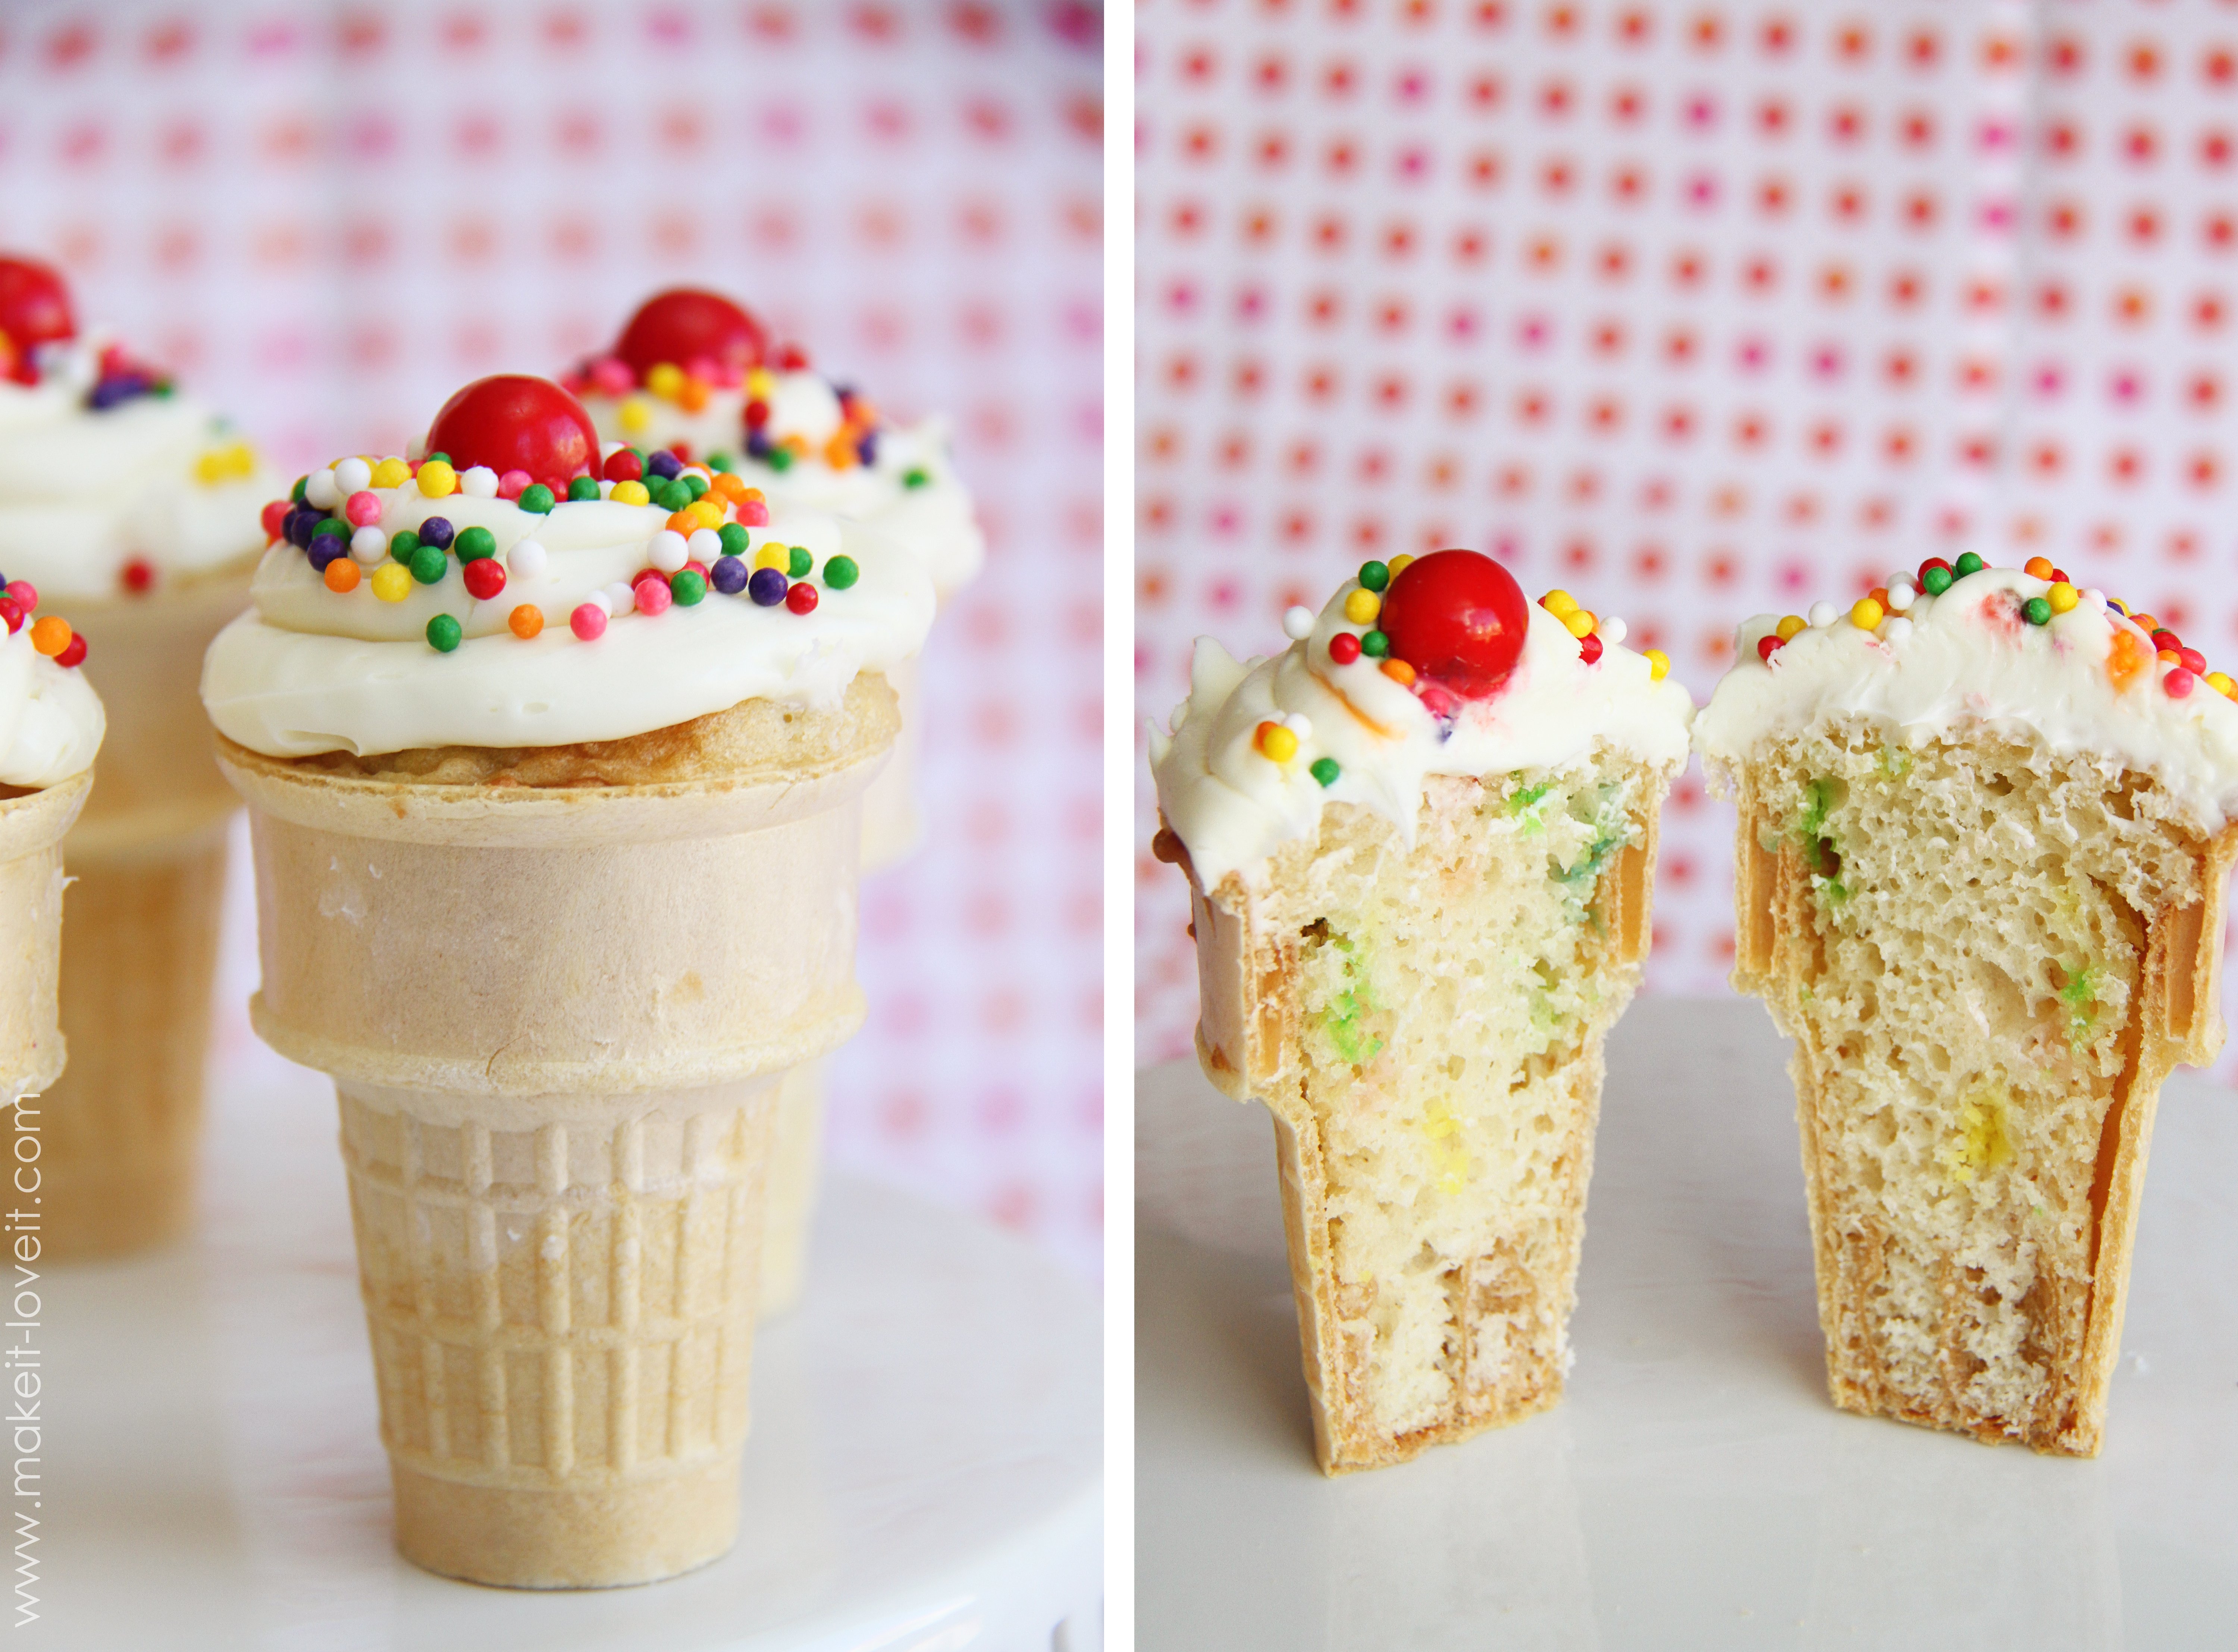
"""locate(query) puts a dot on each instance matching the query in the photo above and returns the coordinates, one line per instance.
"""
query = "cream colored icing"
(83, 492)
(1966, 661)
(50, 719)
(1232, 806)
(309, 670)
(935, 520)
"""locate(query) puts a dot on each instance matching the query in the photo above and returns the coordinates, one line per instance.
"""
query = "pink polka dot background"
(1697, 310)
(328, 217)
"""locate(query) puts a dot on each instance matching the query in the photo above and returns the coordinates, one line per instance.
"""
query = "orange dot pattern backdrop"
(1696, 310)
(327, 217)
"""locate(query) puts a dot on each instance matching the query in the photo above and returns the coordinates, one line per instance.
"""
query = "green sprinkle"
(687, 587)
(1374, 644)
(582, 487)
(1325, 769)
(428, 564)
(1936, 581)
(733, 537)
(537, 498)
(443, 633)
(719, 462)
(330, 529)
(402, 544)
(433, 457)
(915, 476)
(694, 485)
(2037, 610)
(297, 492)
(1374, 576)
(839, 572)
(1969, 564)
(798, 565)
(474, 544)
(1529, 797)
(780, 460)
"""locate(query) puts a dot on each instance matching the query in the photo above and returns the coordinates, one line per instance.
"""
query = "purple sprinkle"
(665, 465)
(328, 547)
(866, 449)
(729, 575)
(300, 523)
(438, 532)
(767, 586)
(757, 444)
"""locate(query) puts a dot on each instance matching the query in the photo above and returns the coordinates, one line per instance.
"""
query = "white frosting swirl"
(1967, 661)
(50, 719)
(1232, 806)
(83, 492)
(310, 670)
(933, 518)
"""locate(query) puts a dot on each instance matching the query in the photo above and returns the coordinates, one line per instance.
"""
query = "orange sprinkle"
(839, 452)
(1400, 672)
(1879, 594)
(52, 635)
(683, 521)
(2126, 657)
(693, 395)
(728, 485)
(2040, 567)
(526, 620)
(341, 575)
(2170, 656)
(2145, 622)
(753, 496)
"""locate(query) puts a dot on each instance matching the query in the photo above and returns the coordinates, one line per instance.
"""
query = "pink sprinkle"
(614, 377)
(510, 483)
(703, 368)
(363, 509)
(2179, 683)
(25, 594)
(695, 565)
(754, 514)
(588, 622)
(275, 514)
(644, 574)
(652, 596)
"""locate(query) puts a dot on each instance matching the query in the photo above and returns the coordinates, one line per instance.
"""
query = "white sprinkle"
(480, 483)
(526, 559)
(606, 489)
(668, 551)
(352, 476)
(1900, 595)
(1895, 630)
(1297, 623)
(319, 490)
(369, 545)
(621, 598)
(2095, 598)
(1300, 725)
(1612, 630)
(607, 450)
(704, 544)
(603, 602)
(1823, 614)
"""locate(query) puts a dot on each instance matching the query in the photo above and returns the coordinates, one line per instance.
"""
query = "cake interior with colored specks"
(1979, 882)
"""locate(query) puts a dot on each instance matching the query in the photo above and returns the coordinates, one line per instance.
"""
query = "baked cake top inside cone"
(1430, 665)
(695, 374)
(50, 719)
(113, 482)
(1960, 648)
(498, 593)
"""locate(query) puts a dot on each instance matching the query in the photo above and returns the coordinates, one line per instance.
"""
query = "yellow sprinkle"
(1659, 665)
(2062, 597)
(1580, 623)
(2221, 683)
(665, 380)
(1560, 604)
(391, 582)
(632, 493)
(706, 511)
(759, 383)
(1276, 742)
(773, 556)
(633, 414)
(437, 479)
(1401, 563)
(1362, 606)
(1867, 615)
(209, 468)
(1791, 627)
(391, 473)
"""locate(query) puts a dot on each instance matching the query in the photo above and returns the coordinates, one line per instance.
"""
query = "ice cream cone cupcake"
(50, 727)
(1985, 821)
(1420, 846)
(139, 509)
(694, 375)
(557, 811)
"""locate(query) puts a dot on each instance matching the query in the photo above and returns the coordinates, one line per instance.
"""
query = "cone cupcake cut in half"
(1421, 847)
(1985, 822)
(557, 841)
(122, 498)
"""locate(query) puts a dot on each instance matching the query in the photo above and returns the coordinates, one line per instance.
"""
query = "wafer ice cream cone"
(559, 980)
(123, 496)
(1986, 821)
(1421, 847)
(694, 374)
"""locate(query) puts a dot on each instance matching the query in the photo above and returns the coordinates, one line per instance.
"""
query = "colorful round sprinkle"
(1344, 648)
(444, 633)
(1374, 576)
(588, 622)
(1325, 769)
(767, 586)
(840, 573)
(801, 598)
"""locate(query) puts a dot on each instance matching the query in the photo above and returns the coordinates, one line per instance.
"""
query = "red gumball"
(35, 307)
(682, 325)
(514, 422)
(1459, 617)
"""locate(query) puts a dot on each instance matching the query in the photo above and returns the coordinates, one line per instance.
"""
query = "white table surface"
(1695, 1488)
(923, 1472)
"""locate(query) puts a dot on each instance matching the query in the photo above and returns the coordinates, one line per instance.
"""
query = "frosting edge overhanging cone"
(1260, 747)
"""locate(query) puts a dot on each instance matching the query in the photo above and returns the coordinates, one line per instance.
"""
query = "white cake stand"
(923, 1472)
(1695, 1489)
